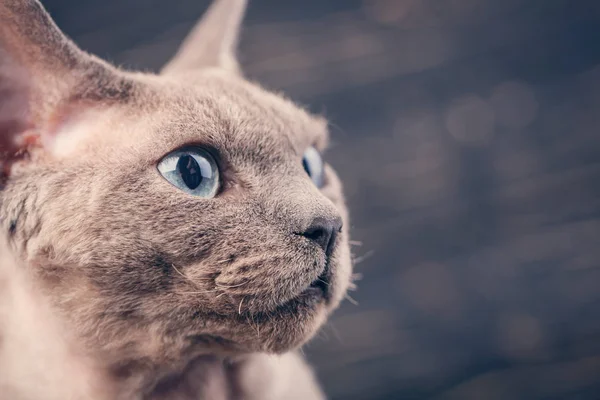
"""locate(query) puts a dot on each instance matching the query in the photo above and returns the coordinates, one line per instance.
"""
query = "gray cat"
(171, 236)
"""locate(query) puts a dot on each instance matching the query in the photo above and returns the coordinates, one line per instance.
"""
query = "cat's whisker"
(231, 286)
(205, 279)
(351, 300)
(187, 278)
(353, 279)
(199, 292)
(240, 307)
(362, 258)
(257, 327)
(338, 128)
(179, 272)
(334, 331)
(192, 282)
(355, 243)
(322, 281)
(356, 277)
(250, 321)
(219, 295)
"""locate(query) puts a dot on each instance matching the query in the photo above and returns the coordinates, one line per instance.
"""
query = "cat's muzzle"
(327, 239)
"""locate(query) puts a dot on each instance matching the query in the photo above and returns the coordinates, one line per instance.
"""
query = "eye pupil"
(306, 167)
(190, 171)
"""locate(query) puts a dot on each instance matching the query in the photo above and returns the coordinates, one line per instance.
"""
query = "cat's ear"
(213, 41)
(42, 74)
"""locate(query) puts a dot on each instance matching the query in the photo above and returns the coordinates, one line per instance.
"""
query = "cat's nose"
(323, 231)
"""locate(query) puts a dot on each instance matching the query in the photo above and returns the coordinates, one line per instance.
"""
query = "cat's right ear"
(42, 72)
(213, 41)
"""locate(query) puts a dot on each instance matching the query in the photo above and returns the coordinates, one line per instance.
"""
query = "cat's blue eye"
(314, 166)
(194, 171)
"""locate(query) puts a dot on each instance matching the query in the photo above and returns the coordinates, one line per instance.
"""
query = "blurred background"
(466, 132)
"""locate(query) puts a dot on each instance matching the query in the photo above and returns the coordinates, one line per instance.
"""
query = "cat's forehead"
(208, 107)
(224, 108)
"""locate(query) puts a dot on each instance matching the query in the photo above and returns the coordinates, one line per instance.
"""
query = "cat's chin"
(293, 323)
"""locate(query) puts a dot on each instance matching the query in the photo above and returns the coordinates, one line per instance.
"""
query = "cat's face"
(170, 214)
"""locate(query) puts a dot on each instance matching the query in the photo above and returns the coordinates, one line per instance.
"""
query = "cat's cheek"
(67, 129)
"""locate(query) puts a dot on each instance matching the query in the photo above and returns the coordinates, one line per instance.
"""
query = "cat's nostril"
(323, 232)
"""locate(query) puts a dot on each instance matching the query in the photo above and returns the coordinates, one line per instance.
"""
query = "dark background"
(466, 132)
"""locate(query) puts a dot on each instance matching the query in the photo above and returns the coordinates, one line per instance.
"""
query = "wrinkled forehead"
(210, 108)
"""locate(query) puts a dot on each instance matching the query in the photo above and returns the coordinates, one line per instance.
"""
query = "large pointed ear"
(213, 41)
(41, 74)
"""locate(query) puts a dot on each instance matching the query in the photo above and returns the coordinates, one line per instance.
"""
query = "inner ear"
(42, 74)
(15, 113)
(213, 41)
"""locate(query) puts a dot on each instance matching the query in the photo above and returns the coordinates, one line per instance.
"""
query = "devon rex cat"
(172, 236)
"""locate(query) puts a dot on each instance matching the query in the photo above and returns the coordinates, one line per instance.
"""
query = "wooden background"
(466, 132)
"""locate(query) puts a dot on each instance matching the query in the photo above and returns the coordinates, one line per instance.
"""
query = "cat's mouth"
(321, 283)
(321, 287)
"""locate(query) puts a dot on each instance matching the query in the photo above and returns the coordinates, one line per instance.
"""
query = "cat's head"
(166, 213)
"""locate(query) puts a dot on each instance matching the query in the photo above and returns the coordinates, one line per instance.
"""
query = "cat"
(162, 236)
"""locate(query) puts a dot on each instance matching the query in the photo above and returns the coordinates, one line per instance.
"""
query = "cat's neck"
(38, 359)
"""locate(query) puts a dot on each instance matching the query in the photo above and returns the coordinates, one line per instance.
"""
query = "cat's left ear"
(213, 41)
(44, 79)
